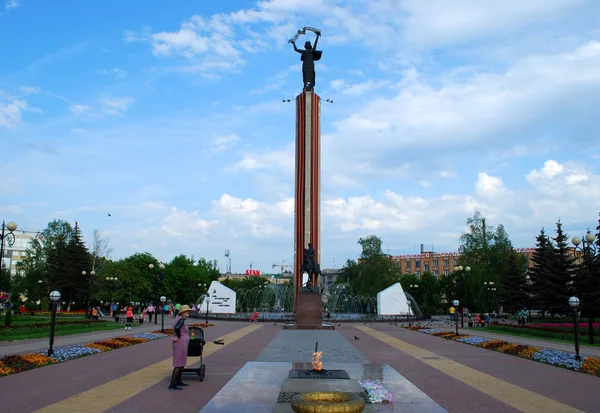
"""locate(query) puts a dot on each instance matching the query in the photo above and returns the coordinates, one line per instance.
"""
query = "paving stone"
(299, 345)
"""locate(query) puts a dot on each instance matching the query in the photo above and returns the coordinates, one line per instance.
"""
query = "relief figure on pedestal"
(310, 266)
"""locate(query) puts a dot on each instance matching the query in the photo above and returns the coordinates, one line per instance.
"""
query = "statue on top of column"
(310, 55)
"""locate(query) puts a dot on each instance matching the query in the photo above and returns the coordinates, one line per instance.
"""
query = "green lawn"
(542, 335)
(24, 320)
(60, 330)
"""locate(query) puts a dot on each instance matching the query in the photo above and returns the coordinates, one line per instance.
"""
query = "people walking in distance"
(452, 313)
(129, 316)
(181, 339)
(150, 312)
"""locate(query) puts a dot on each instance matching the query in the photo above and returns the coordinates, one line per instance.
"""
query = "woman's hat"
(185, 308)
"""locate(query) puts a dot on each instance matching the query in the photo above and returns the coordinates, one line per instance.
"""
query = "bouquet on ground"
(376, 392)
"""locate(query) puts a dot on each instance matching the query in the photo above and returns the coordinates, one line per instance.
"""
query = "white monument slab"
(222, 300)
(392, 301)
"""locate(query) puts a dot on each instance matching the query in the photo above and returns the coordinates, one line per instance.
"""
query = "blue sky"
(170, 118)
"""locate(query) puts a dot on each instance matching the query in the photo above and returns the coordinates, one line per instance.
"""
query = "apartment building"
(439, 263)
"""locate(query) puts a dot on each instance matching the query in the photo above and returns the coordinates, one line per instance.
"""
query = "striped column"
(308, 180)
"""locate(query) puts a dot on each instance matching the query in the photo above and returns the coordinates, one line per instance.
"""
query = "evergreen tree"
(542, 259)
(74, 259)
(513, 288)
(564, 271)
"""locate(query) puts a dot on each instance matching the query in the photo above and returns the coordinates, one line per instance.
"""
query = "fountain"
(274, 302)
(343, 304)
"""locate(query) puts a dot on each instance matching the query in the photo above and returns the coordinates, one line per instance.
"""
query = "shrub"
(8, 318)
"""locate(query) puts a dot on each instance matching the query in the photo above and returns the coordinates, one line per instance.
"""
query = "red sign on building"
(254, 273)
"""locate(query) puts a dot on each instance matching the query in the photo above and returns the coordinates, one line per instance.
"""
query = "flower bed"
(58, 313)
(18, 363)
(588, 365)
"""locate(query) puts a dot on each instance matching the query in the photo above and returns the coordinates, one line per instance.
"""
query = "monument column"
(308, 181)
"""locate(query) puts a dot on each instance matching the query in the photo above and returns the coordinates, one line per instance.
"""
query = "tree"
(41, 258)
(563, 270)
(429, 297)
(486, 251)
(72, 261)
(513, 288)
(349, 273)
(540, 275)
(553, 274)
(100, 250)
(371, 247)
(376, 271)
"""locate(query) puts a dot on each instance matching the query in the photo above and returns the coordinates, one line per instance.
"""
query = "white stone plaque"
(392, 301)
(222, 300)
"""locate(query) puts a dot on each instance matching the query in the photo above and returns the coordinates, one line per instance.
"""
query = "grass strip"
(60, 330)
(540, 335)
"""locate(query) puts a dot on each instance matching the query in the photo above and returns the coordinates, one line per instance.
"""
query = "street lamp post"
(490, 294)
(207, 304)
(574, 303)
(112, 280)
(463, 272)
(89, 292)
(55, 298)
(528, 280)
(159, 279)
(162, 321)
(10, 240)
(456, 303)
(586, 247)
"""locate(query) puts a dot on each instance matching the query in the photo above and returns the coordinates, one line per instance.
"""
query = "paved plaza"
(457, 377)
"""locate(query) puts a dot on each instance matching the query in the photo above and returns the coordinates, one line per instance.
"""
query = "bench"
(123, 319)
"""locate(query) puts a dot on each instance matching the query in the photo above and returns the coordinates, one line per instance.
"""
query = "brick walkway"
(571, 388)
(36, 389)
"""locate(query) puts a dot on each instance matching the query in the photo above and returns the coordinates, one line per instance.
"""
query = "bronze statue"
(310, 55)
(310, 266)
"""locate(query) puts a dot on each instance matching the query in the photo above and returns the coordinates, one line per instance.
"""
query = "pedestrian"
(177, 308)
(129, 316)
(452, 313)
(181, 339)
(150, 311)
(523, 316)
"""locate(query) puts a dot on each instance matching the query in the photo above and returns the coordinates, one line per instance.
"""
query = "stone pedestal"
(309, 311)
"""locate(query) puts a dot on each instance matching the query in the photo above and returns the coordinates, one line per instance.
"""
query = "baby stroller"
(254, 317)
(195, 348)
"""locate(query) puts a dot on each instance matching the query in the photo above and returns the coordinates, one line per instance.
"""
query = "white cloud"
(357, 89)
(488, 186)
(179, 223)
(11, 4)
(81, 109)
(113, 72)
(280, 159)
(222, 143)
(116, 106)
(261, 219)
(491, 111)
(10, 113)
(30, 90)
(437, 22)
